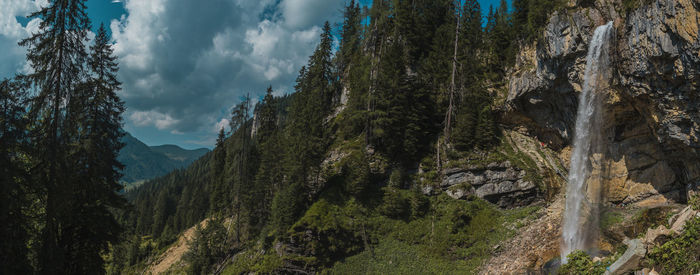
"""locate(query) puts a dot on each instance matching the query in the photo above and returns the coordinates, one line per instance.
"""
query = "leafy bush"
(681, 255)
(694, 202)
(395, 204)
(580, 263)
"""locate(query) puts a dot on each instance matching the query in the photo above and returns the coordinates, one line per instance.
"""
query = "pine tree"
(538, 14)
(240, 121)
(267, 117)
(97, 110)
(350, 35)
(57, 53)
(268, 176)
(520, 17)
(471, 41)
(403, 115)
(486, 132)
(219, 194)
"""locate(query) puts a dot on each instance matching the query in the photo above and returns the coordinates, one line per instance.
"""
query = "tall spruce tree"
(268, 176)
(96, 111)
(241, 181)
(520, 14)
(219, 194)
(350, 35)
(404, 109)
(57, 54)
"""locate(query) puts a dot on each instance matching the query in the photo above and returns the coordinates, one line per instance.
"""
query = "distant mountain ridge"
(143, 162)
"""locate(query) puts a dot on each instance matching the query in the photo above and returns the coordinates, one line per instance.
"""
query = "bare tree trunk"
(448, 119)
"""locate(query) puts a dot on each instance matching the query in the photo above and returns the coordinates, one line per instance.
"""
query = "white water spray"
(578, 214)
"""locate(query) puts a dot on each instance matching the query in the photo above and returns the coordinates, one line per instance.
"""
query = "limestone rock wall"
(651, 130)
(499, 183)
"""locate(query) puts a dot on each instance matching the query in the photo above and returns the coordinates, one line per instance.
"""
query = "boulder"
(682, 218)
(630, 260)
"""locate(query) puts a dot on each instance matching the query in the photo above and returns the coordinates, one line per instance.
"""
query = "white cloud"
(190, 62)
(183, 63)
(12, 56)
(223, 123)
(152, 118)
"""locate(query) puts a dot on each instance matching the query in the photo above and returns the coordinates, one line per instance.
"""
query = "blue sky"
(185, 63)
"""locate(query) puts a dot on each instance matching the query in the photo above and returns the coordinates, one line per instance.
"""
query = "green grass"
(391, 256)
(608, 219)
(455, 237)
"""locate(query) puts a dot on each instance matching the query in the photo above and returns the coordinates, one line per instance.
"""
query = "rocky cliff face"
(499, 183)
(651, 125)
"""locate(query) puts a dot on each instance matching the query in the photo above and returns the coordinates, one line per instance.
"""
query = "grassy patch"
(608, 219)
(391, 256)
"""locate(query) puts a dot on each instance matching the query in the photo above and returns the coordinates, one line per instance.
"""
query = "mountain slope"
(143, 162)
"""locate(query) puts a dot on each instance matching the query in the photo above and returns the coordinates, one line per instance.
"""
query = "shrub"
(580, 263)
(681, 255)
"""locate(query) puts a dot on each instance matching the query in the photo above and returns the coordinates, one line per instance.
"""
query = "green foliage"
(208, 245)
(394, 203)
(326, 233)
(74, 126)
(681, 254)
(453, 236)
(578, 262)
(403, 110)
(356, 172)
(397, 257)
(287, 205)
(609, 219)
(395, 67)
(14, 195)
(694, 201)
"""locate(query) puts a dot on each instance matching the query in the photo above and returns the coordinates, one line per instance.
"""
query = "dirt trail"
(175, 253)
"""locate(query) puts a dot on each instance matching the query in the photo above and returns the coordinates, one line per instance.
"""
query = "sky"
(185, 63)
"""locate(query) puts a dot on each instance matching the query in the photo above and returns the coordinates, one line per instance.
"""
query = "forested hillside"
(338, 167)
(421, 137)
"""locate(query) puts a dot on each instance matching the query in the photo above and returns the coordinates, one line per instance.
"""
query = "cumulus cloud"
(160, 120)
(184, 63)
(223, 124)
(12, 57)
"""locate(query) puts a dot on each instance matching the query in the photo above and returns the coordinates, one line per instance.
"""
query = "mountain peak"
(143, 162)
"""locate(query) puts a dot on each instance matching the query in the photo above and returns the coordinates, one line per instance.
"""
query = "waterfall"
(580, 215)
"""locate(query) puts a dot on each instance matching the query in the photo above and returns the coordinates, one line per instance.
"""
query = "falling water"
(579, 212)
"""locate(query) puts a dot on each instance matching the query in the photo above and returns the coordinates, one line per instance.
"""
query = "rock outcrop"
(630, 260)
(651, 130)
(499, 183)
